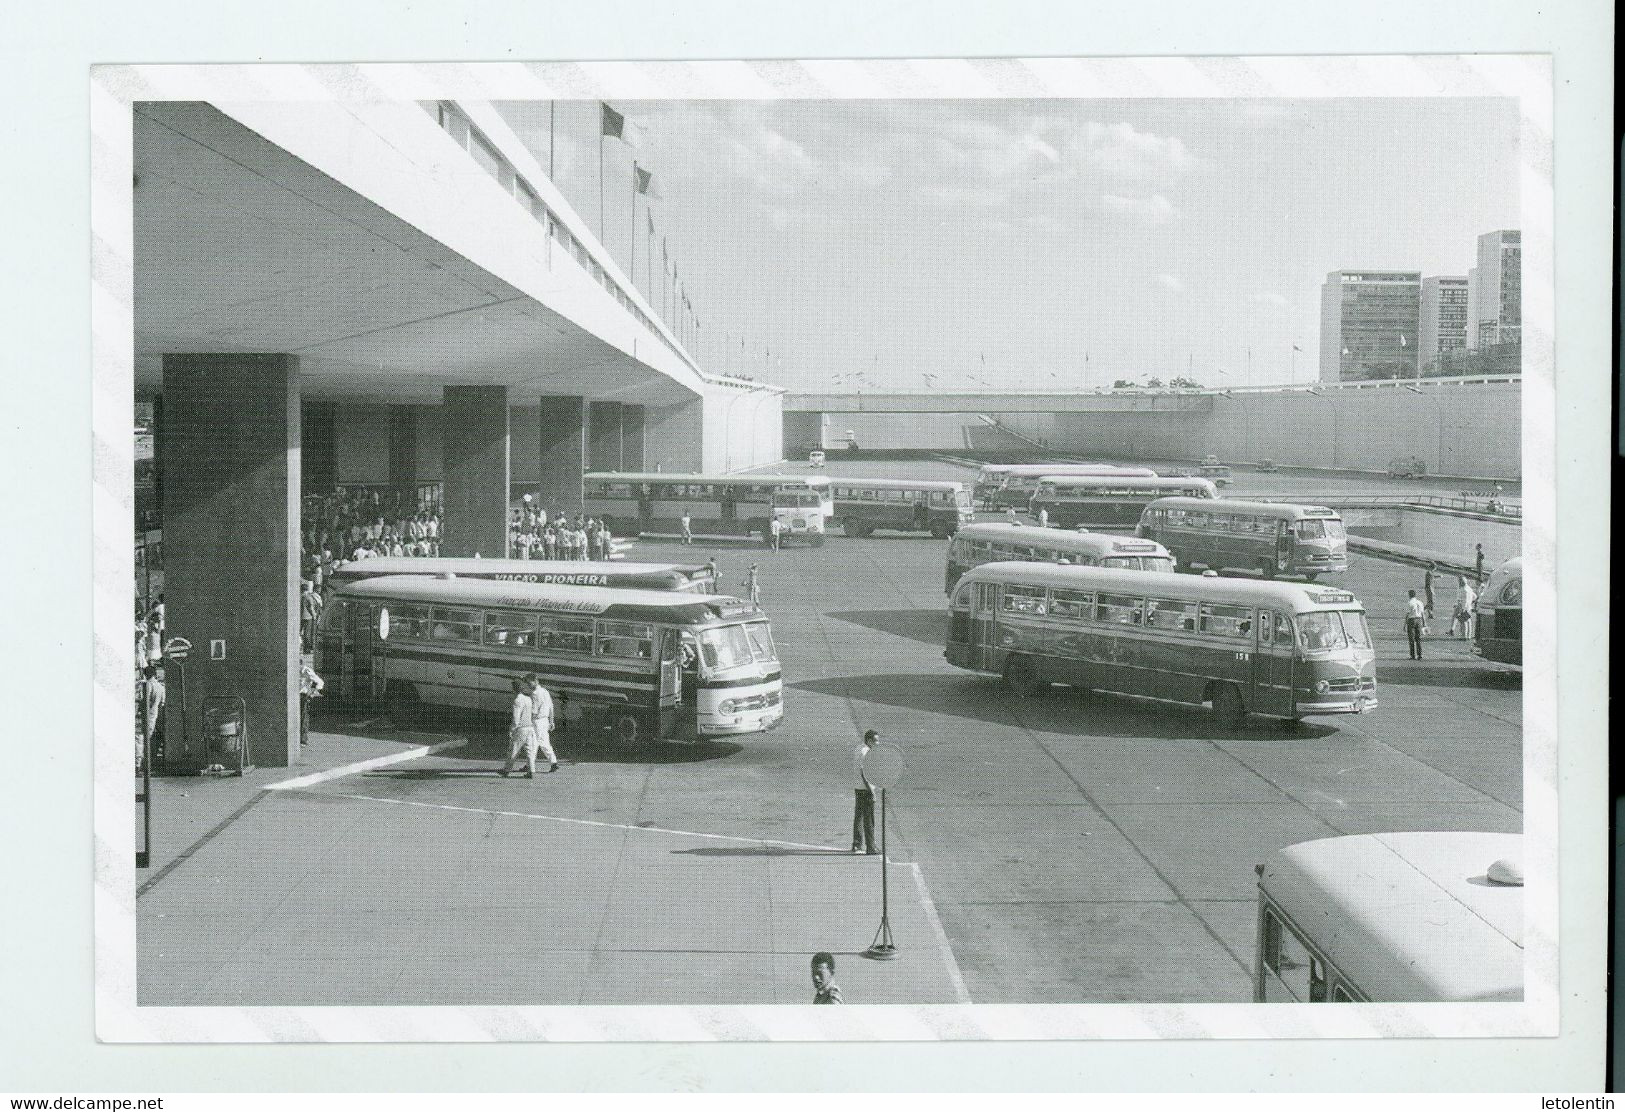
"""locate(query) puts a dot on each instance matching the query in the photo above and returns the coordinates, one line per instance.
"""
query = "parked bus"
(1245, 647)
(1405, 918)
(718, 505)
(1499, 632)
(693, 578)
(1014, 484)
(1276, 538)
(992, 542)
(646, 664)
(1109, 501)
(904, 505)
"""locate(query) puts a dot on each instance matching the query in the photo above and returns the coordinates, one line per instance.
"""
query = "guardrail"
(1492, 507)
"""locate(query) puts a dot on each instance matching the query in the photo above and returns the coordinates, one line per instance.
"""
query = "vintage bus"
(992, 542)
(904, 505)
(1499, 628)
(620, 575)
(1016, 482)
(1409, 917)
(644, 664)
(1109, 501)
(1276, 538)
(1246, 647)
(717, 505)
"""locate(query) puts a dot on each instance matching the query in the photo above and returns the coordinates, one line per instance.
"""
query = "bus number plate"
(1243, 656)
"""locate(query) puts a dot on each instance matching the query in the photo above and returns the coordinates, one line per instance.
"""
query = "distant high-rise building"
(1443, 326)
(1369, 324)
(1495, 298)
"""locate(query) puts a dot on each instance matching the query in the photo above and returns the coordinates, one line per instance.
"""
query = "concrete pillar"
(563, 428)
(632, 438)
(604, 430)
(474, 460)
(318, 445)
(231, 546)
(403, 448)
(673, 437)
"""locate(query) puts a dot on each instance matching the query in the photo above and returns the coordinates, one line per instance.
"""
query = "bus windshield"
(1320, 530)
(1333, 629)
(796, 498)
(735, 645)
(1140, 563)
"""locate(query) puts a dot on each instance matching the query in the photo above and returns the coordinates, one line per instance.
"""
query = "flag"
(1402, 339)
(611, 122)
(649, 216)
(643, 180)
(1346, 351)
(663, 256)
(1295, 347)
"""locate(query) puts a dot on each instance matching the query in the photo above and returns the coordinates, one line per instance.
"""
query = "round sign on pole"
(883, 765)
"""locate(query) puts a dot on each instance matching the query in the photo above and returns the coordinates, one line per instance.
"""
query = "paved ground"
(1074, 849)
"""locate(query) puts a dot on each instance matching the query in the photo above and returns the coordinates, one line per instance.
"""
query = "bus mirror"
(383, 623)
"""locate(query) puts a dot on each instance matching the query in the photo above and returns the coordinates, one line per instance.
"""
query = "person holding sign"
(863, 808)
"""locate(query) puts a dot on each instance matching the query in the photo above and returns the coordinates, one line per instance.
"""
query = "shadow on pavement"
(759, 851)
(1060, 710)
(927, 626)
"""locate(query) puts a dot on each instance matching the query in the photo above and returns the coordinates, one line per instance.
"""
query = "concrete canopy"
(242, 246)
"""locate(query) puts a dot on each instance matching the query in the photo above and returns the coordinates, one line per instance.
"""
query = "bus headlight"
(1323, 686)
(728, 706)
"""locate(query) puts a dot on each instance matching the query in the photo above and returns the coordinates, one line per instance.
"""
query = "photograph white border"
(1525, 78)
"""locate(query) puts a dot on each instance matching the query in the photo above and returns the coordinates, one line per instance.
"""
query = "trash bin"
(225, 735)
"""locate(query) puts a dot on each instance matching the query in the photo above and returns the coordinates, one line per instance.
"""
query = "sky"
(1029, 244)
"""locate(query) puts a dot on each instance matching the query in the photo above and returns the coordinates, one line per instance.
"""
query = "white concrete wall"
(743, 428)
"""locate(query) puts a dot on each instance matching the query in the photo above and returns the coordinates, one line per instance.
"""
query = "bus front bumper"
(1357, 705)
(747, 723)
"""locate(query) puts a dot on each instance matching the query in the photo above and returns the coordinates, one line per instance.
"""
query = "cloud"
(1155, 209)
(1170, 282)
(1124, 153)
(1269, 299)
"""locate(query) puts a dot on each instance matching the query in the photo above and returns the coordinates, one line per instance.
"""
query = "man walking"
(1414, 612)
(1466, 603)
(753, 587)
(310, 608)
(688, 527)
(863, 806)
(775, 531)
(1478, 562)
(541, 718)
(310, 687)
(1427, 589)
(521, 731)
(825, 990)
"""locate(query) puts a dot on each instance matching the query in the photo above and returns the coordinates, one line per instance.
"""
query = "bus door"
(646, 508)
(363, 647)
(922, 513)
(1272, 664)
(983, 636)
(688, 664)
(676, 719)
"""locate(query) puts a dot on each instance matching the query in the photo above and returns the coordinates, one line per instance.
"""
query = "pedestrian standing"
(541, 718)
(1414, 613)
(1478, 562)
(753, 587)
(606, 542)
(310, 609)
(152, 695)
(523, 545)
(310, 687)
(1043, 518)
(863, 804)
(1010, 516)
(521, 731)
(825, 990)
(775, 530)
(688, 527)
(1427, 590)
(1466, 602)
(711, 570)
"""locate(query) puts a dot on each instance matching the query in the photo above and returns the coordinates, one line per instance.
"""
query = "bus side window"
(1302, 972)
(1283, 631)
(1227, 621)
(1122, 609)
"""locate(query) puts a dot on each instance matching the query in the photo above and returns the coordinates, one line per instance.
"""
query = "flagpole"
(632, 266)
(601, 176)
(552, 107)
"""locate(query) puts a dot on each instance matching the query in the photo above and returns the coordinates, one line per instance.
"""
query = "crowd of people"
(1420, 613)
(533, 535)
(356, 524)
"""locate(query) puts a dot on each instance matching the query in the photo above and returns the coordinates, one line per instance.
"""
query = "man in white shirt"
(521, 731)
(775, 529)
(541, 717)
(1043, 518)
(688, 528)
(1415, 612)
(863, 810)
(1466, 604)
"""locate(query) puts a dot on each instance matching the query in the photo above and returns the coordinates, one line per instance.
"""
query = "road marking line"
(961, 993)
(585, 822)
(364, 766)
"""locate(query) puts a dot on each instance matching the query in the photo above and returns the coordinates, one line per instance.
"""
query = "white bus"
(1407, 918)
(621, 575)
(1498, 633)
(646, 664)
(717, 505)
(1244, 646)
(1276, 538)
(995, 541)
(902, 505)
(1011, 485)
(1109, 501)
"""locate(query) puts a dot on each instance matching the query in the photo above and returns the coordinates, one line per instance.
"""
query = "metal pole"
(144, 854)
(885, 907)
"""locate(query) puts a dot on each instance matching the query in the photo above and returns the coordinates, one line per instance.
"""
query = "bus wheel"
(1228, 707)
(1311, 575)
(626, 730)
(1019, 678)
(941, 532)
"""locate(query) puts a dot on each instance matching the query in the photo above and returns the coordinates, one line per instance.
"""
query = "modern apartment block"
(1369, 324)
(1495, 296)
(1443, 327)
